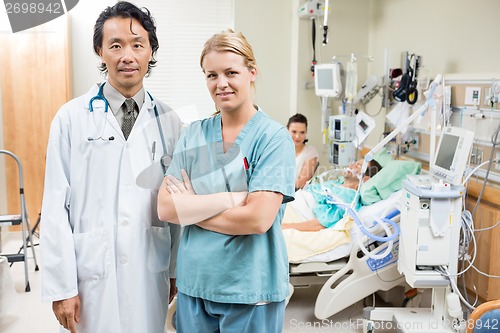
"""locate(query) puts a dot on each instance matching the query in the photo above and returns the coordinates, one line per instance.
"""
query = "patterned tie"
(129, 119)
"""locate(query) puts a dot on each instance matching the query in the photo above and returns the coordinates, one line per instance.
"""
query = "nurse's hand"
(181, 187)
(67, 311)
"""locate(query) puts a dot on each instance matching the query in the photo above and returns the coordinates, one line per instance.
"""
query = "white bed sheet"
(379, 209)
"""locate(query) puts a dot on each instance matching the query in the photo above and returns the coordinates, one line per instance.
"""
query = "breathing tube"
(382, 222)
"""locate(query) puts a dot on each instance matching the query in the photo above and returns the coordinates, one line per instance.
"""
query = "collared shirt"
(116, 100)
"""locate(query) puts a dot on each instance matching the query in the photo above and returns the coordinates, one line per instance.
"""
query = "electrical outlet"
(472, 158)
(472, 95)
(476, 156)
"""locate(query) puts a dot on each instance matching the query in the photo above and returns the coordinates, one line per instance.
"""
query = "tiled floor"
(25, 313)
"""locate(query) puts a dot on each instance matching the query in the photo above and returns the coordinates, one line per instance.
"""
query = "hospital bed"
(346, 273)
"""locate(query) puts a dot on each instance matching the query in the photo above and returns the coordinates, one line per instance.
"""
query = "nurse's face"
(229, 81)
(126, 52)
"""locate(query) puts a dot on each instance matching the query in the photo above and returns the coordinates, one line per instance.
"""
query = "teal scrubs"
(243, 269)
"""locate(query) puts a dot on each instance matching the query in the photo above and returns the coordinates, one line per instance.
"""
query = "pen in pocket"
(153, 149)
(247, 167)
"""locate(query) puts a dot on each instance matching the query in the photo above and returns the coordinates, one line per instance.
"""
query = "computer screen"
(452, 154)
(327, 82)
(446, 153)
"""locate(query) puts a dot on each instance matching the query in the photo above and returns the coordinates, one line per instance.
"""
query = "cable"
(444, 272)
(378, 112)
(314, 62)
(466, 179)
(488, 228)
(325, 24)
(495, 142)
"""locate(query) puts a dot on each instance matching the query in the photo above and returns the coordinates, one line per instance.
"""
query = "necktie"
(129, 119)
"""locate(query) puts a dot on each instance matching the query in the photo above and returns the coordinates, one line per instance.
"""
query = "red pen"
(245, 163)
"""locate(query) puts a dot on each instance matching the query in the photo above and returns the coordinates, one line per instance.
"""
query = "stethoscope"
(165, 159)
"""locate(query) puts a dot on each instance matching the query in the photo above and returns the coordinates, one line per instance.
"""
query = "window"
(182, 29)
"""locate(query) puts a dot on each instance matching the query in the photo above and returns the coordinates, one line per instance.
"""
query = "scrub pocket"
(159, 249)
(92, 255)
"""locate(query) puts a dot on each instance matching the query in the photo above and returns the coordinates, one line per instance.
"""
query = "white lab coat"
(100, 233)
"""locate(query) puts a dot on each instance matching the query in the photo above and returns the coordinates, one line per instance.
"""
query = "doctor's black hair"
(126, 9)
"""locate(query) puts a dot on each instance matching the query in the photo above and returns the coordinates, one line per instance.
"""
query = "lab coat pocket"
(92, 255)
(159, 249)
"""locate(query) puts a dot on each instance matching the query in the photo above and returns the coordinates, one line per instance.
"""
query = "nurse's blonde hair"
(230, 41)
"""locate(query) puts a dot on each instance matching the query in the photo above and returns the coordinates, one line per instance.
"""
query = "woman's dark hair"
(373, 168)
(297, 118)
(125, 9)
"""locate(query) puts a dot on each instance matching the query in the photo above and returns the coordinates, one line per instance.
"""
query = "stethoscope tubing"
(100, 96)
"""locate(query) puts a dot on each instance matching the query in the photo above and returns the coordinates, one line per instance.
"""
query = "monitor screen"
(447, 149)
(327, 81)
(452, 154)
(325, 78)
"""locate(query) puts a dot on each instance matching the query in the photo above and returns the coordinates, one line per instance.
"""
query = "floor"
(26, 313)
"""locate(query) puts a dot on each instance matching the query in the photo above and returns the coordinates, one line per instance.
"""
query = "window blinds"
(182, 29)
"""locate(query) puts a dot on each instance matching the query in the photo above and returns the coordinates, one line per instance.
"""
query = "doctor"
(108, 263)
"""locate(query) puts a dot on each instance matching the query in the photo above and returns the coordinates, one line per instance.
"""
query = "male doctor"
(108, 263)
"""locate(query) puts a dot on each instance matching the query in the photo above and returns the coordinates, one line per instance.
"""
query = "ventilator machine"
(430, 226)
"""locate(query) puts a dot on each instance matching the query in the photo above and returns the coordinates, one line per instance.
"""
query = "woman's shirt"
(305, 155)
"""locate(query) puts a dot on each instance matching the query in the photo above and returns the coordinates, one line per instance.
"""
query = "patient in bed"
(343, 190)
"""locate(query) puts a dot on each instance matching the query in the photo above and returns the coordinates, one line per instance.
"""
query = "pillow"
(383, 157)
(387, 181)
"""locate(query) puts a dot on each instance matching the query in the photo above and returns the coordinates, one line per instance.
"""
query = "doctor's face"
(229, 81)
(126, 52)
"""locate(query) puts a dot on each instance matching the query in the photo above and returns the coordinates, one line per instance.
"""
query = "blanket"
(302, 245)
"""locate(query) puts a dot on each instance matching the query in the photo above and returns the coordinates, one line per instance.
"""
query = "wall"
(452, 36)
(284, 53)
(282, 45)
(85, 62)
(266, 25)
(348, 33)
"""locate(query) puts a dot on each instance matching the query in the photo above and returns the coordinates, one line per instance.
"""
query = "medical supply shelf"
(20, 219)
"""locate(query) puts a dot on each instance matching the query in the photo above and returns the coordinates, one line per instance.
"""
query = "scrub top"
(243, 269)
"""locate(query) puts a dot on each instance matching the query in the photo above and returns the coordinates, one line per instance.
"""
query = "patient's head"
(351, 177)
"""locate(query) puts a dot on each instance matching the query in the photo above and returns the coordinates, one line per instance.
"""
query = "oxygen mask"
(351, 172)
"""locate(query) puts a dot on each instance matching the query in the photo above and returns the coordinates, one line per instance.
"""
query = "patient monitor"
(431, 213)
(452, 155)
(327, 82)
(430, 226)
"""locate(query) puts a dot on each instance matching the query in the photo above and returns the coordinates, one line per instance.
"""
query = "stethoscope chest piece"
(165, 160)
